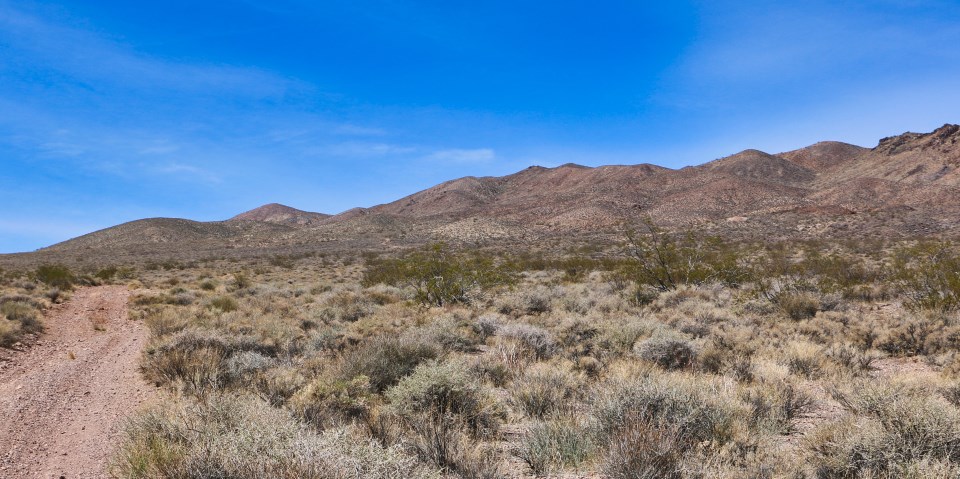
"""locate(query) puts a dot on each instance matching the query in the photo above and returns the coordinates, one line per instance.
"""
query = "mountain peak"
(280, 214)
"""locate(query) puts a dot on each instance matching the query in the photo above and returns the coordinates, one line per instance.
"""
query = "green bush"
(438, 275)
(55, 275)
(928, 275)
(224, 303)
(666, 261)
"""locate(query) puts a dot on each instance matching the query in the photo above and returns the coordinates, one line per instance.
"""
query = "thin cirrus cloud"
(71, 54)
(456, 155)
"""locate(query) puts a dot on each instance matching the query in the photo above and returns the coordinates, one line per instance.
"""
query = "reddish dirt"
(63, 401)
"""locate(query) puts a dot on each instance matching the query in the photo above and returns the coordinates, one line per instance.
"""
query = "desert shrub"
(850, 358)
(107, 274)
(441, 441)
(928, 274)
(556, 443)
(798, 305)
(908, 338)
(666, 261)
(243, 366)
(195, 359)
(899, 427)
(240, 281)
(326, 401)
(666, 400)
(386, 359)
(447, 389)
(543, 390)
(224, 303)
(486, 326)
(165, 321)
(346, 306)
(277, 385)
(244, 438)
(797, 298)
(438, 275)
(667, 351)
(645, 449)
(453, 332)
(618, 338)
(805, 360)
(537, 342)
(526, 301)
(775, 407)
(55, 275)
(18, 319)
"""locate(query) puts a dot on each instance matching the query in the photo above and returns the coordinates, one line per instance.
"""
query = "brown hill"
(907, 185)
(280, 214)
(823, 155)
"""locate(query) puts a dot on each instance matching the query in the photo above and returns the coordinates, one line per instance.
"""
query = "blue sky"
(113, 110)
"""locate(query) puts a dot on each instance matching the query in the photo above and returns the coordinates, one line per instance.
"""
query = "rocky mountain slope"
(907, 185)
(281, 215)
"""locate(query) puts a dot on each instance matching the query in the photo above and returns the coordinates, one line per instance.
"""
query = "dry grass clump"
(19, 320)
(545, 390)
(447, 390)
(386, 360)
(556, 443)
(896, 430)
(761, 362)
(242, 437)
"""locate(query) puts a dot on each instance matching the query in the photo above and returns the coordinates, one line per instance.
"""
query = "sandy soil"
(63, 401)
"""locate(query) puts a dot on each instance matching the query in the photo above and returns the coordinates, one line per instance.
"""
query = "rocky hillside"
(907, 185)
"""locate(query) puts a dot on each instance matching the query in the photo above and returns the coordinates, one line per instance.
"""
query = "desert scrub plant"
(245, 438)
(224, 303)
(669, 351)
(699, 408)
(895, 426)
(195, 359)
(438, 275)
(447, 389)
(384, 360)
(557, 443)
(55, 275)
(327, 401)
(18, 319)
(928, 275)
(545, 389)
(775, 406)
(536, 342)
(646, 449)
(666, 261)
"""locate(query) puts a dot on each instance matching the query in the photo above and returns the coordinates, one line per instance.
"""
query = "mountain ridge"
(906, 185)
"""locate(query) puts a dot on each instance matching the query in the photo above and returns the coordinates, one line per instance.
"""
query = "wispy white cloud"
(457, 155)
(94, 61)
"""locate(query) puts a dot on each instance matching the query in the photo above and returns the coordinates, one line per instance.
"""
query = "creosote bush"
(438, 275)
(55, 275)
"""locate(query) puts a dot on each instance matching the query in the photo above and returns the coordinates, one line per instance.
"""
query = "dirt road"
(63, 401)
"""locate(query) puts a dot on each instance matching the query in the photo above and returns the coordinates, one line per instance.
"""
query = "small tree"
(665, 260)
(439, 275)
